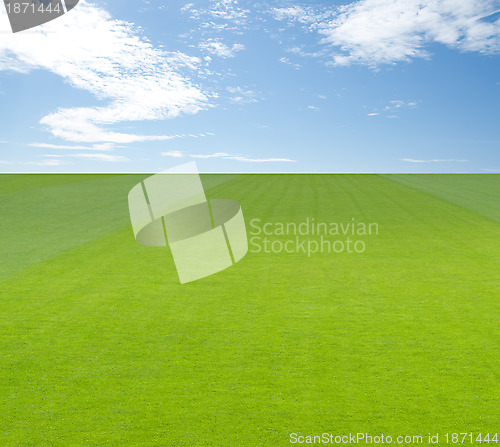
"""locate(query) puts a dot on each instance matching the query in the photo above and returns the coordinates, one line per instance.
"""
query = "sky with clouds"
(237, 86)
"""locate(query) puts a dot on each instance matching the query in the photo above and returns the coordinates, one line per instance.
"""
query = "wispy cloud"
(51, 162)
(398, 104)
(218, 48)
(93, 157)
(175, 154)
(306, 15)
(449, 160)
(94, 147)
(237, 157)
(108, 146)
(214, 155)
(219, 15)
(393, 106)
(241, 95)
(375, 32)
(101, 157)
(112, 60)
(285, 60)
(261, 160)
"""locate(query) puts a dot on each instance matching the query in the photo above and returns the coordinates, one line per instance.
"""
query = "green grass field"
(101, 346)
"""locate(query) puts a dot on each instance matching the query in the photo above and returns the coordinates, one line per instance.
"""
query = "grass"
(100, 345)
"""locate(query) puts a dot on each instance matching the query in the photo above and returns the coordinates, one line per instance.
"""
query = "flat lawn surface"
(101, 346)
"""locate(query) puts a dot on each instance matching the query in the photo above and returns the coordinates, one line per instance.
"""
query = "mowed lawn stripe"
(476, 192)
(43, 215)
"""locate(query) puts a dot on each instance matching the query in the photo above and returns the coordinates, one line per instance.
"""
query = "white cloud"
(413, 160)
(215, 155)
(242, 96)
(261, 160)
(99, 157)
(218, 48)
(94, 147)
(110, 59)
(393, 106)
(376, 32)
(296, 13)
(314, 108)
(176, 154)
(96, 157)
(396, 104)
(305, 15)
(224, 155)
(285, 60)
(45, 163)
(301, 52)
(219, 15)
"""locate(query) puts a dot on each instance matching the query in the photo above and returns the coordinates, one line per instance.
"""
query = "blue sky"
(312, 86)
